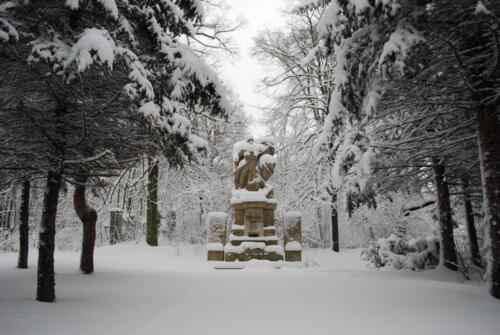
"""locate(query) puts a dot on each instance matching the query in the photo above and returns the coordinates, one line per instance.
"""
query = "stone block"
(215, 255)
(238, 233)
(268, 217)
(293, 237)
(254, 222)
(293, 256)
(293, 227)
(269, 232)
(216, 235)
(239, 216)
(248, 255)
(254, 216)
(216, 229)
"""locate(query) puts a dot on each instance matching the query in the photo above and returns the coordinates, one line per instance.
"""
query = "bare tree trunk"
(322, 237)
(446, 224)
(3, 214)
(46, 284)
(88, 216)
(489, 148)
(335, 224)
(201, 212)
(11, 212)
(469, 222)
(22, 262)
(152, 204)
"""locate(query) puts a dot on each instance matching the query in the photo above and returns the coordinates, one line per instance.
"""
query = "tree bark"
(449, 256)
(323, 239)
(469, 222)
(335, 224)
(46, 284)
(3, 209)
(10, 210)
(152, 204)
(22, 262)
(88, 216)
(489, 145)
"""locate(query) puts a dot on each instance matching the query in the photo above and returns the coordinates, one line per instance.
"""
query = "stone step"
(239, 230)
(270, 231)
(233, 237)
(267, 240)
(245, 257)
(253, 250)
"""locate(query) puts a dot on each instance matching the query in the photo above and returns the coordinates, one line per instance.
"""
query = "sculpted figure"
(254, 165)
(245, 176)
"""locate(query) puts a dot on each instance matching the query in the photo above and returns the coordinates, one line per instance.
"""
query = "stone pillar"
(293, 237)
(269, 227)
(238, 228)
(115, 226)
(239, 216)
(216, 235)
(269, 216)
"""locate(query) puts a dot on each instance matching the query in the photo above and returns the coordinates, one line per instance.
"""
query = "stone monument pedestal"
(254, 217)
(253, 233)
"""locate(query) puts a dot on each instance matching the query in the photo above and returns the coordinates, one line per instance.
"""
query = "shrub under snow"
(399, 253)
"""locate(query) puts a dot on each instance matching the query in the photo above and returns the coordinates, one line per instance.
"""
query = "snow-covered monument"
(252, 234)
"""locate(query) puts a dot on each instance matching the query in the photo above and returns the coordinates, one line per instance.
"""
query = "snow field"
(142, 290)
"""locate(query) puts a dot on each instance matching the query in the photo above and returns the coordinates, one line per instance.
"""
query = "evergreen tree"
(440, 46)
(99, 84)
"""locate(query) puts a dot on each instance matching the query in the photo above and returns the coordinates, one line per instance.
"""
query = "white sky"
(244, 73)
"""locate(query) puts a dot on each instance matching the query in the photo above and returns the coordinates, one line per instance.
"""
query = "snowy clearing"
(143, 290)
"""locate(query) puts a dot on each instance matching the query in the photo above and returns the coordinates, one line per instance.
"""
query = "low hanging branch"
(88, 159)
(406, 211)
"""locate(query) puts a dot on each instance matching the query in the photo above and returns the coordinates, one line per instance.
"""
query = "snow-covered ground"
(143, 290)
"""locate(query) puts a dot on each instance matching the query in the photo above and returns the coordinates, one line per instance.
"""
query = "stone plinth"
(293, 237)
(253, 234)
(216, 235)
(254, 217)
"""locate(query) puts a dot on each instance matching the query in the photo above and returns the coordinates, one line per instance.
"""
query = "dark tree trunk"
(323, 239)
(469, 222)
(335, 224)
(3, 217)
(152, 205)
(88, 216)
(489, 145)
(46, 284)
(22, 262)
(446, 224)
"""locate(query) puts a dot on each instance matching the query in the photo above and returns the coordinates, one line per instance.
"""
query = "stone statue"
(253, 231)
(254, 164)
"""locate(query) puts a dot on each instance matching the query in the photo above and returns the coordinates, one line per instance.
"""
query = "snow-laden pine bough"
(91, 88)
(437, 64)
